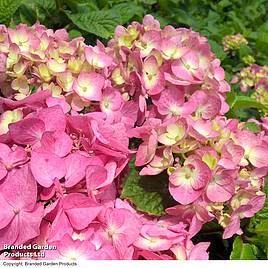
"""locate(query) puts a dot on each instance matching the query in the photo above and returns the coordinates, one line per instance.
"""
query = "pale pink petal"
(184, 193)
(146, 151)
(180, 71)
(89, 86)
(199, 251)
(258, 156)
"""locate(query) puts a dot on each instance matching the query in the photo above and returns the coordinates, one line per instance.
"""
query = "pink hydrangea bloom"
(154, 95)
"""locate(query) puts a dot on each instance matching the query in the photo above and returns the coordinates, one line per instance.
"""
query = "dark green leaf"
(262, 42)
(217, 49)
(244, 50)
(148, 193)
(127, 11)
(100, 23)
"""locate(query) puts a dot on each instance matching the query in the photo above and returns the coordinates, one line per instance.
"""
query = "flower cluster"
(233, 42)
(35, 58)
(252, 77)
(215, 167)
(62, 166)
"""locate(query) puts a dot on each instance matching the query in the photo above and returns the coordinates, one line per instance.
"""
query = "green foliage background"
(96, 19)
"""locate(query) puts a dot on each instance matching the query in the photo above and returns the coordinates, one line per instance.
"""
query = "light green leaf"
(253, 127)
(148, 193)
(74, 33)
(243, 251)
(7, 9)
(241, 102)
(100, 23)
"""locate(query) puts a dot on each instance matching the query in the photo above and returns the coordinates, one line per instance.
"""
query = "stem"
(58, 5)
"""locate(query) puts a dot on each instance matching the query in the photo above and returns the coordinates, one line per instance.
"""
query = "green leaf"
(164, 21)
(7, 9)
(257, 230)
(100, 23)
(27, 14)
(80, 6)
(224, 3)
(262, 42)
(244, 50)
(74, 33)
(241, 102)
(127, 11)
(243, 251)
(253, 127)
(149, 2)
(148, 193)
(217, 49)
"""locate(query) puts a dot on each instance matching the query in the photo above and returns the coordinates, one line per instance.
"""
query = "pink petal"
(76, 165)
(9, 233)
(60, 227)
(3, 171)
(80, 210)
(180, 71)
(97, 58)
(4, 151)
(29, 224)
(36, 100)
(19, 189)
(6, 214)
(57, 142)
(191, 59)
(27, 131)
(217, 193)
(146, 151)
(46, 167)
(232, 228)
(89, 86)
(258, 156)
(17, 157)
(54, 118)
(202, 175)
(95, 177)
(52, 101)
(199, 251)
(184, 193)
